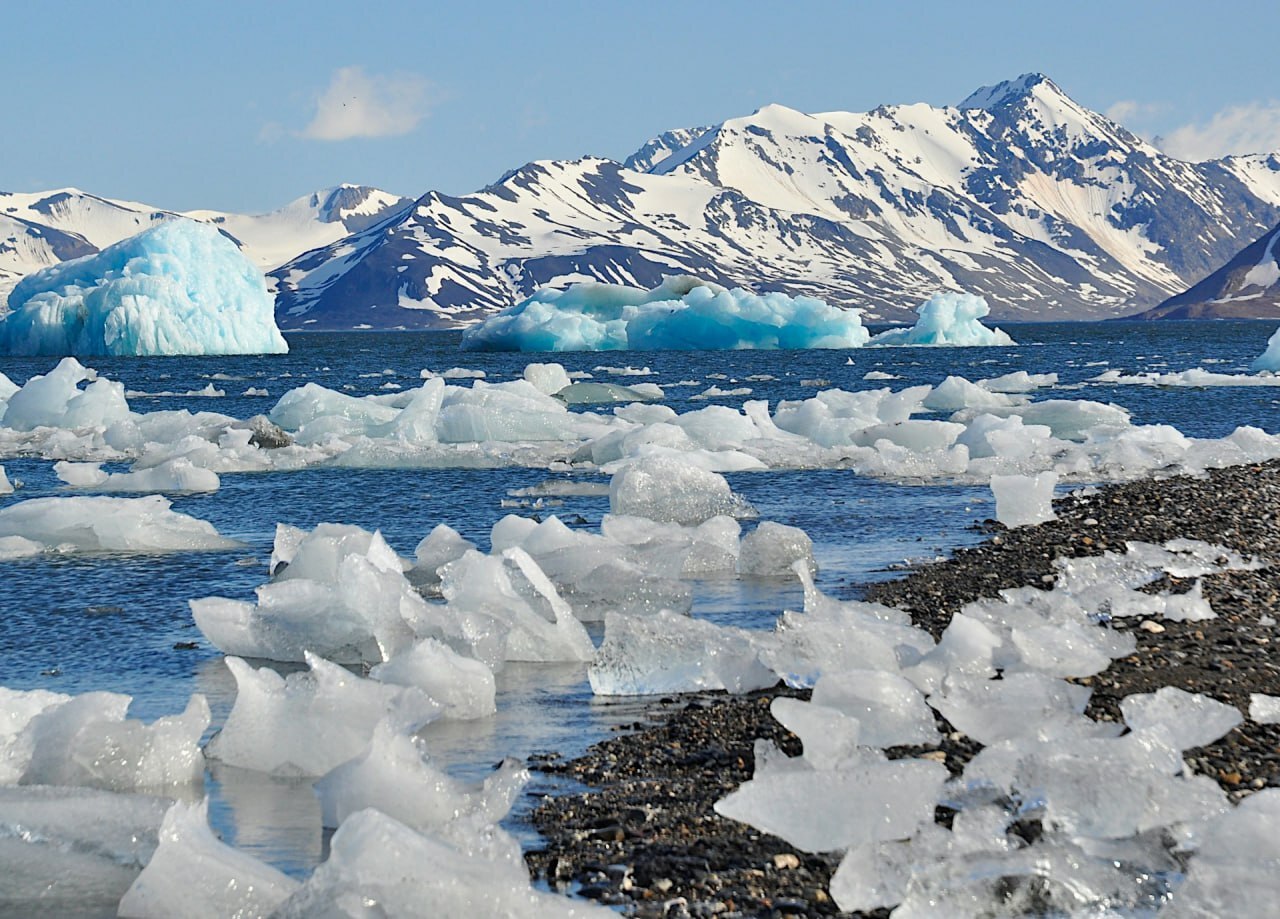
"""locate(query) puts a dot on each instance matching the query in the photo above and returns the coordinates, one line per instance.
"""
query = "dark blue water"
(111, 622)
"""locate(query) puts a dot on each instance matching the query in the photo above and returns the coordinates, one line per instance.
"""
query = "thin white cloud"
(1123, 110)
(357, 104)
(1250, 128)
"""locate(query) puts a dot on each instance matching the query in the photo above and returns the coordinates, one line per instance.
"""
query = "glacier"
(682, 313)
(948, 318)
(177, 288)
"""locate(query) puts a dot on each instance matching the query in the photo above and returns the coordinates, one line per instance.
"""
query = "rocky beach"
(642, 834)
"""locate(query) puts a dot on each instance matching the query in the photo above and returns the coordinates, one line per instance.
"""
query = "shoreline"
(645, 837)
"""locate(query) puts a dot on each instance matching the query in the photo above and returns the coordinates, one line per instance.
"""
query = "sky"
(240, 106)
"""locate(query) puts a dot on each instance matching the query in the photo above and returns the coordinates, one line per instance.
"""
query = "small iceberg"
(1269, 359)
(177, 288)
(681, 314)
(948, 319)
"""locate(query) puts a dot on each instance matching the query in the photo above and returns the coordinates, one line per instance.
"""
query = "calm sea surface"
(111, 622)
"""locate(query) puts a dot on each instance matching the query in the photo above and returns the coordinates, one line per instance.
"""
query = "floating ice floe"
(682, 313)
(947, 319)
(1195, 377)
(956, 430)
(177, 288)
(102, 524)
(174, 475)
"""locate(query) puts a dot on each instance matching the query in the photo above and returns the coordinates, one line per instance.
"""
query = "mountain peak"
(1001, 94)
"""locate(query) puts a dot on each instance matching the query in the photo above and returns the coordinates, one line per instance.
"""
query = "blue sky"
(245, 106)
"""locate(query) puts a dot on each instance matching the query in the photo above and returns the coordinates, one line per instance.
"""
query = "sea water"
(121, 623)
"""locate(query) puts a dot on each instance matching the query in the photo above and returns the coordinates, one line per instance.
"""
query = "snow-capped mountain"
(41, 228)
(1246, 287)
(1019, 194)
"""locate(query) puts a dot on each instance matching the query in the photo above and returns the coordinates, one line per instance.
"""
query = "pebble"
(1151, 626)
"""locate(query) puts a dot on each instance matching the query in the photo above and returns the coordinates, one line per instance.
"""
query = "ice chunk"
(314, 411)
(668, 489)
(6, 487)
(394, 776)
(374, 859)
(1264, 709)
(673, 550)
(1024, 500)
(1233, 874)
(833, 635)
(463, 685)
(437, 549)
(1019, 381)
(17, 709)
(822, 811)
(1270, 358)
(73, 851)
(178, 288)
(965, 652)
(342, 595)
(176, 475)
(55, 400)
(547, 378)
(630, 568)
(772, 550)
(86, 741)
(947, 319)
(889, 709)
(195, 874)
(1008, 438)
(682, 313)
(506, 609)
(1017, 706)
(829, 736)
(307, 723)
(956, 393)
(666, 652)
(1190, 719)
(99, 524)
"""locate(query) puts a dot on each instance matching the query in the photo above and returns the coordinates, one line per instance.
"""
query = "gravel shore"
(644, 835)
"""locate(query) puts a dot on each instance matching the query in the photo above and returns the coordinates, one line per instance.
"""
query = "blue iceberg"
(947, 319)
(1269, 359)
(177, 288)
(681, 314)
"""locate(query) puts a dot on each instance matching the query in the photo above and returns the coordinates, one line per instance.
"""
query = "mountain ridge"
(1019, 194)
